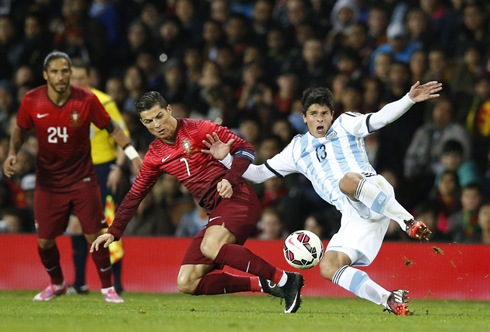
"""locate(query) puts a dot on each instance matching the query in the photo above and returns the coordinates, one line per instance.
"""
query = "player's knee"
(185, 284)
(46, 243)
(184, 287)
(209, 249)
(348, 184)
(327, 269)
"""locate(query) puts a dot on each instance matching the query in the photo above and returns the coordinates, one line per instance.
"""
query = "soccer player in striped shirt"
(333, 157)
(232, 206)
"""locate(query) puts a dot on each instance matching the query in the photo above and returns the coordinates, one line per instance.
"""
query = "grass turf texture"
(176, 312)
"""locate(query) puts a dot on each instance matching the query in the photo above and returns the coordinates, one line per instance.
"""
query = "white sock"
(105, 290)
(375, 199)
(359, 283)
(60, 285)
(283, 280)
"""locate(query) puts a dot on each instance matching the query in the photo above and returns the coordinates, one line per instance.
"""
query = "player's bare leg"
(335, 266)
(219, 245)
(355, 186)
(50, 257)
(102, 260)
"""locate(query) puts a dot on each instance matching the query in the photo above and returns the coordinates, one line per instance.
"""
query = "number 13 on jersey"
(57, 132)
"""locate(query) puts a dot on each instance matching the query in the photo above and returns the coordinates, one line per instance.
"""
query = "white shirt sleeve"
(283, 164)
(280, 165)
(361, 125)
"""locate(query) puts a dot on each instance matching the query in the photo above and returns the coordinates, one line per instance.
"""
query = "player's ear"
(169, 108)
(304, 117)
(45, 75)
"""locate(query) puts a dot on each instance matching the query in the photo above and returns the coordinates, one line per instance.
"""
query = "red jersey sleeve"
(146, 179)
(242, 150)
(99, 115)
(24, 118)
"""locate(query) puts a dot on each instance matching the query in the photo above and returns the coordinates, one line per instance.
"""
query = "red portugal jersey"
(197, 171)
(64, 162)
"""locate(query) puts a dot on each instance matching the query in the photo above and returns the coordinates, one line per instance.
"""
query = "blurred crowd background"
(244, 64)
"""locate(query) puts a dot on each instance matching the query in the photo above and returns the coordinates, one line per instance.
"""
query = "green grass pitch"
(176, 312)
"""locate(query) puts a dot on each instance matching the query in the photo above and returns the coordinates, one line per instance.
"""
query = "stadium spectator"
(192, 222)
(418, 65)
(425, 150)
(463, 225)
(484, 222)
(171, 40)
(373, 90)
(454, 74)
(270, 225)
(135, 83)
(151, 219)
(382, 64)
(452, 160)
(377, 23)
(398, 45)
(446, 194)
(114, 87)
(262, 20)
(317, 224)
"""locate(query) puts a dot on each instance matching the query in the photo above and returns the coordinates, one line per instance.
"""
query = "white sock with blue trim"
(359, 283)
(375, 199)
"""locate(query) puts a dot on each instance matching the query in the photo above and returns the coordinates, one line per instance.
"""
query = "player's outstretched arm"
(393, 111)
(424, 92)
(106, 239)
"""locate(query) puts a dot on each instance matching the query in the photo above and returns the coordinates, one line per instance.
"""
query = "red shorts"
(239, 214)
(52, 211)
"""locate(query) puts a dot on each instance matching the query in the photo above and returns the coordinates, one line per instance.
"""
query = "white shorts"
(361, 230)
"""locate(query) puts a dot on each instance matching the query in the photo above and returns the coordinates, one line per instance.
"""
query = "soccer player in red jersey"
(65, 176)
(231, 204)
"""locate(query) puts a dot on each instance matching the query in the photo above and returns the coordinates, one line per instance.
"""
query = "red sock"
(51, 261)
(102, 260)
(220, 282)
(244, 260)
(255, 284)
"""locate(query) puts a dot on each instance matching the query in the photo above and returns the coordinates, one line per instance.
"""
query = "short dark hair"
(150, 99)
(320, 96)
(474, 186)
(53, 56)
(452, 146)
(79, 63)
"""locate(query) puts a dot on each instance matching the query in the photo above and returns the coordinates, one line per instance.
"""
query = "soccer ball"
(303, 250)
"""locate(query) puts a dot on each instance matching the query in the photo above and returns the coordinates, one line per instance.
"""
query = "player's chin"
(61, 89)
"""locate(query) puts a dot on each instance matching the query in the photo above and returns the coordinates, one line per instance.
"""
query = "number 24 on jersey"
(55, 133)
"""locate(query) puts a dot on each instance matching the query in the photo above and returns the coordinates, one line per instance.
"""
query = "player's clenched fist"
(225, 189)
(8, 166)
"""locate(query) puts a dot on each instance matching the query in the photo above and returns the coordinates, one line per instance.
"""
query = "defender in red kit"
(65, 177)
(231, 204)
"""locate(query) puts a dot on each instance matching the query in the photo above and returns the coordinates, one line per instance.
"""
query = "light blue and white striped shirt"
(325, 161)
